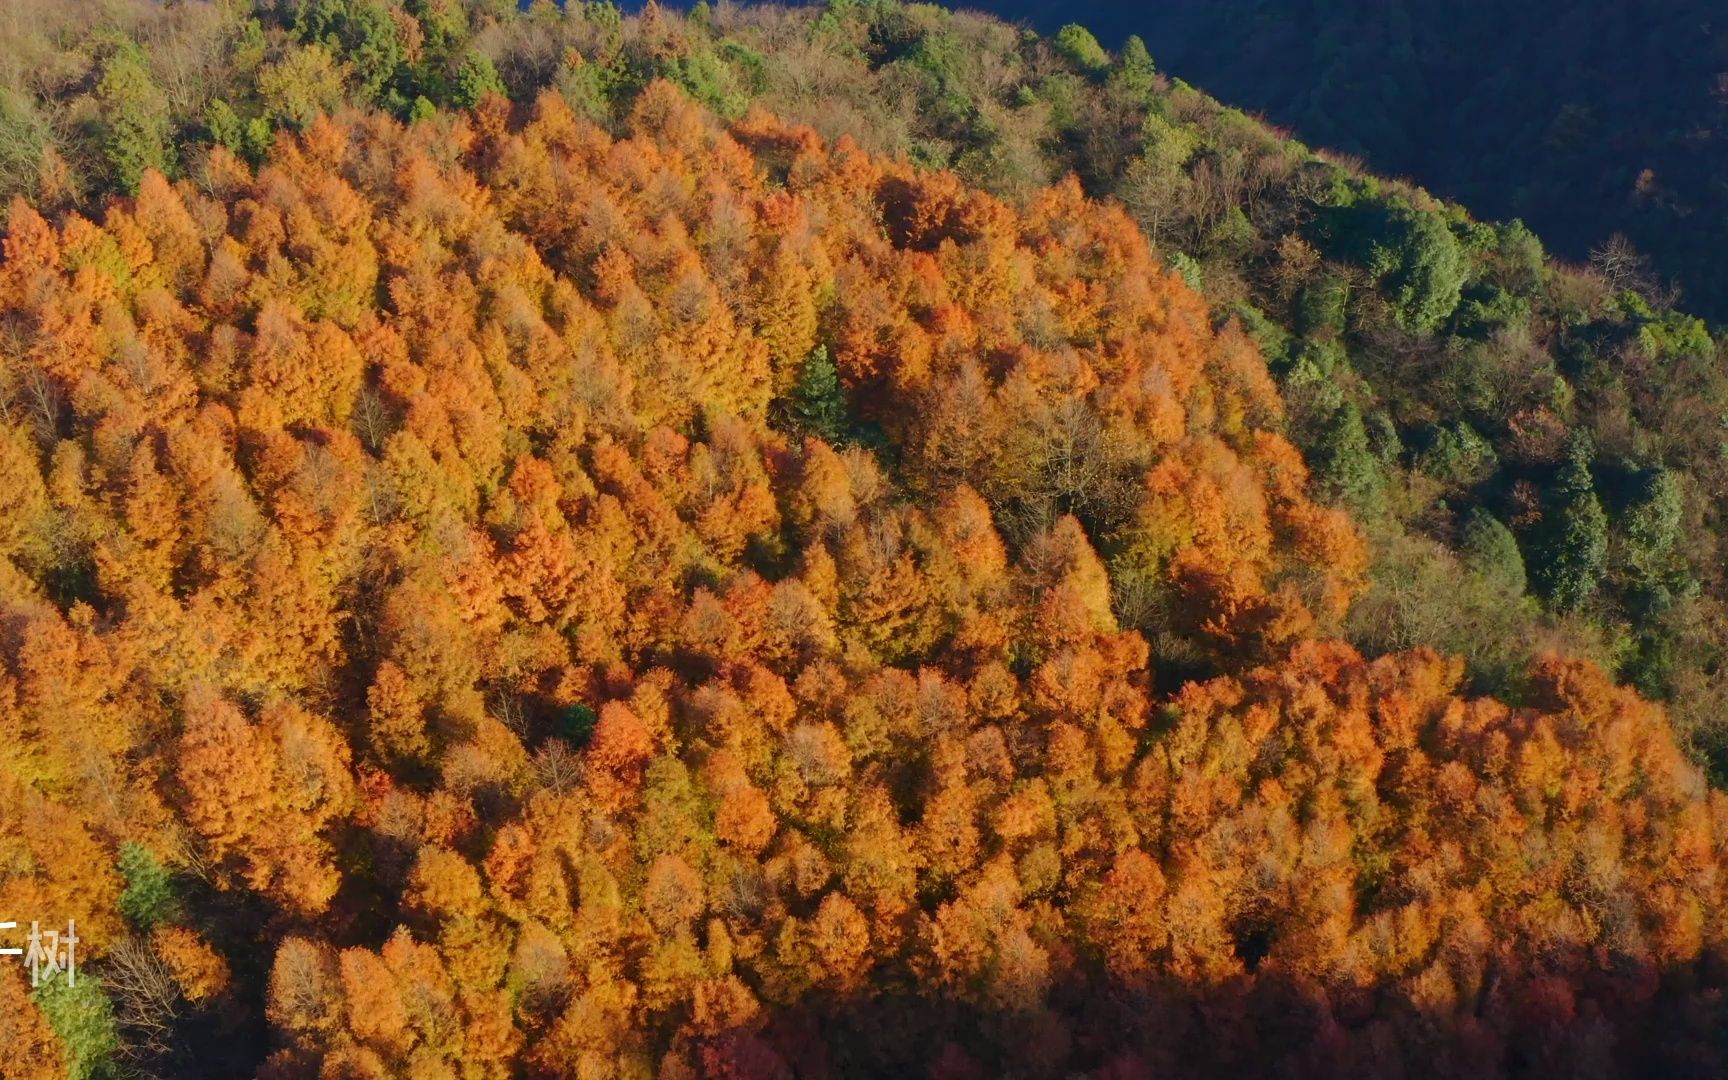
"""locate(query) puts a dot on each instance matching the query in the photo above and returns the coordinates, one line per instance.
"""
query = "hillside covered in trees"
(841, 542)
(1584, 119)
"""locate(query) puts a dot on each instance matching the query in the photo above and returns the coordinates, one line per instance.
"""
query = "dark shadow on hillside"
(1632, 1023)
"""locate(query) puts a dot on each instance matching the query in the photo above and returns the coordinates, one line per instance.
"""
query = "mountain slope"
(1617, 123)
(730, 561)
(444, 595)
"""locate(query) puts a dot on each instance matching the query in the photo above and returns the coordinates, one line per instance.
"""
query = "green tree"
(134, 118)
(300, 86)
(24, 133)
(1135, 74)
(365, 36)
(249, 139)
(575, 725)
(225, 126)
(1081, 48)
(149, 897)
(475, 78)
(248, 48)
(816, 404)
(1345, 468)
(83, 1018)
(445, 23)
(708, 79)
(1412, 254)
(1491, 552)
(1322, 309)
(1650, 532)
(1423, 268)
(1192, 273)
(587, 88)
(1577, 531)
(1458, 455)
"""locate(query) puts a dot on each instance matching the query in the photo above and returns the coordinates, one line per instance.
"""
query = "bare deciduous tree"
(146, 999)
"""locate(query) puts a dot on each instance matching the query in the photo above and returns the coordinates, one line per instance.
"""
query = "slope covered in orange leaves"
(417, 562)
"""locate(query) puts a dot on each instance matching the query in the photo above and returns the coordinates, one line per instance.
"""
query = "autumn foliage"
(407, 546)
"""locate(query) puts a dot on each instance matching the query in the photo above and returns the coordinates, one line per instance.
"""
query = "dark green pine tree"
(475, 78)
(134, 119)
(1135, 74)
(1345, 468)
(816, 404)
(575, 725)
(1577, 531)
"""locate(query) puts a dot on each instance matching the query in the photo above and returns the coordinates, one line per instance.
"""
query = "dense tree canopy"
(1591, 121)
(343, 481)
(614, 580)
(1467, 355)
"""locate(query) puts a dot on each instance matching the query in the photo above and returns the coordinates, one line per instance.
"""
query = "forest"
(842, 541)
(1587, 120)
